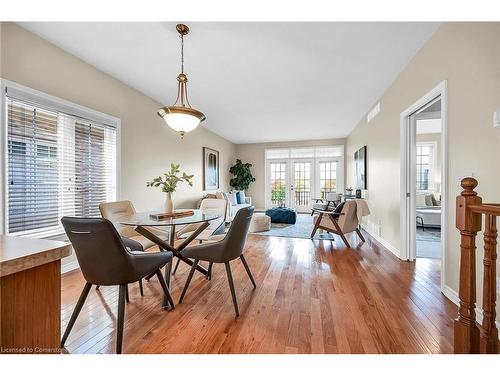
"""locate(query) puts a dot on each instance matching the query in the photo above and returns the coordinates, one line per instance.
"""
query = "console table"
(30, 294)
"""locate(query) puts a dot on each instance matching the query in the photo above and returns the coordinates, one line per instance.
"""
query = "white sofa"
(233, 208)
(428, 209)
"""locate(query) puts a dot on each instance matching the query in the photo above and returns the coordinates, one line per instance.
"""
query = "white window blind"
(302, 152)
(277, 153)
(305, 152)
(58, 165)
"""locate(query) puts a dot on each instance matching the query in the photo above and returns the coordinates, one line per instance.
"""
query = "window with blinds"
(58, 165)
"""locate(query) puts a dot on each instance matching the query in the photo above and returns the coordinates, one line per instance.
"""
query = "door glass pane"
(302, 183)
(278, 183)
(327, 177)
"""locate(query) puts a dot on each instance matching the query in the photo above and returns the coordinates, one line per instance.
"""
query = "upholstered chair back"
(215, 206)
(114, 211)
(348, 221)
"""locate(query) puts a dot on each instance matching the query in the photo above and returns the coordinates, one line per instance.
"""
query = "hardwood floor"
(311, 297)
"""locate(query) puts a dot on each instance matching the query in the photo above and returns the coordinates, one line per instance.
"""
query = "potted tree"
(242, 175)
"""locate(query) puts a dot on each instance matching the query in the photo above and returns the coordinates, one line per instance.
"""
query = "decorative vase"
(169, 204)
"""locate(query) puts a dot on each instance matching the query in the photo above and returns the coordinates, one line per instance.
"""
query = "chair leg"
(344, 239)
(338, 230)
(121, 317)
(76, 312)
(360, 235)
(316, 226)
(231, 286)
(245, 264)
(126, 293)
(209, 271)
(190, 276)
(165, 290)
(176, 265)
(141, 289)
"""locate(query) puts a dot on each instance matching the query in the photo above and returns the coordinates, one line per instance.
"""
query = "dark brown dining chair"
(224, 251)
(105, 260)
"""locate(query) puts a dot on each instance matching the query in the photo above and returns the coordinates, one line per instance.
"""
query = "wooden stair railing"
(469, 337)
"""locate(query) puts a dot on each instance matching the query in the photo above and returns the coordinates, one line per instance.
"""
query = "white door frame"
(408, 229)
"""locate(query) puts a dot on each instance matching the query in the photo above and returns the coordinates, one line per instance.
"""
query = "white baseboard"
(453, 297)
(383, 242)
(70, 266)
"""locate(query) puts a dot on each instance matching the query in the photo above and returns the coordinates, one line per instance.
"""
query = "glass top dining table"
(144, 219)
(149, 228)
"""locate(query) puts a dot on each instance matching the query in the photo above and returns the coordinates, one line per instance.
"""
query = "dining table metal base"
(177, 251)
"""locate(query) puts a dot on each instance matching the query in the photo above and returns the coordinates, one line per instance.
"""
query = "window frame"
(432, 164)
(39, 98)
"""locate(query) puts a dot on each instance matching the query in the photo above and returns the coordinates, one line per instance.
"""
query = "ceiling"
(255, 82)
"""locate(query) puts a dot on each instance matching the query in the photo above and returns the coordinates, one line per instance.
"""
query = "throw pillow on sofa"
(231, 197)
(240, 197)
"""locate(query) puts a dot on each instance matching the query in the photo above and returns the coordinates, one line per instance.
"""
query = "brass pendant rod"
(182, 53)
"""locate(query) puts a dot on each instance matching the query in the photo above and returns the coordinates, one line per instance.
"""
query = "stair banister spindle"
(489, 331)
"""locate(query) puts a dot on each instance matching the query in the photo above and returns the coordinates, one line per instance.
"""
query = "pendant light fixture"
(181, 116)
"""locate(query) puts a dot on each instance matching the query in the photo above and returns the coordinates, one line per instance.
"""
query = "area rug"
(301, 229)
(429, 243)
(429, 234)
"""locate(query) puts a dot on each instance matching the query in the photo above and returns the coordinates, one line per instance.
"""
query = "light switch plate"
(496, 119)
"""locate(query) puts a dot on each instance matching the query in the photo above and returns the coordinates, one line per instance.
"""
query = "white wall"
(148, 146)
(467, 55)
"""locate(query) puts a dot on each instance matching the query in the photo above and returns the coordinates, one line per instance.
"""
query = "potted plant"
(168, 183)
(242, 175)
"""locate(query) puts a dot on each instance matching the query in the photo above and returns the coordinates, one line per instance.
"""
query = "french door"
(301, 184)
(278, 188)
(329, 177)
(296, 183)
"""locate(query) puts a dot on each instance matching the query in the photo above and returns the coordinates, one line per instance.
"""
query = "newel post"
(466, 332)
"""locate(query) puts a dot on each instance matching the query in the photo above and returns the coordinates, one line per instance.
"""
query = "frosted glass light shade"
(181, 119)
(181, 122)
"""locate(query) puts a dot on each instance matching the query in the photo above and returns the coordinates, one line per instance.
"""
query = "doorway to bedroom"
(428, 181)
(424, 179)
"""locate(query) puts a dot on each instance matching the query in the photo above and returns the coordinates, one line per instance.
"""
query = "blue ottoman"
(282, 215)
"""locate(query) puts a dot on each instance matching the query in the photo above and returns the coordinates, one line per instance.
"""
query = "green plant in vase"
(168, 184)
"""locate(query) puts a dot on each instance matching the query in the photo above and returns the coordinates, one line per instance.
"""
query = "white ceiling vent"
(374, 112)
(496, 119)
